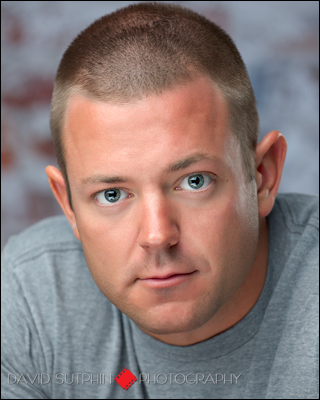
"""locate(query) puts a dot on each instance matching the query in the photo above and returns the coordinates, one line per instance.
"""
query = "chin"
(177, 320)
(166, 330)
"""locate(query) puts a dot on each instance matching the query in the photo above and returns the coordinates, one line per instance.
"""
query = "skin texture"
(161, 226)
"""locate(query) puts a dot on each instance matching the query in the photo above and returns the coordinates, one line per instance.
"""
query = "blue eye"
(109, 197)
(195, 181)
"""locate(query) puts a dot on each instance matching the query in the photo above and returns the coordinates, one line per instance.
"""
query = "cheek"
(104, 249)
(227, 235)
(103, 236)
(215, 223)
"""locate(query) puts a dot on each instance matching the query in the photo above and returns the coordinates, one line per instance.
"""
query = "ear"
(59, 189)
(270, 156)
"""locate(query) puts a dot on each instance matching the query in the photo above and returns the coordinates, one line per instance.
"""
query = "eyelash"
(207, 174)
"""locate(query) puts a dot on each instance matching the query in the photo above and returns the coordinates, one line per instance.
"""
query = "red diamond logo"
(125, 379)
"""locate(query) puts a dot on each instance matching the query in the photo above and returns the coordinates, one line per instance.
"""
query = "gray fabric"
(56, 322)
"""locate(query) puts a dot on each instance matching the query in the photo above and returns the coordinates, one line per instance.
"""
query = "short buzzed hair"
(145, 49)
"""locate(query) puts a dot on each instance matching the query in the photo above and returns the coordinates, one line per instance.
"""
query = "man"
(182, 268)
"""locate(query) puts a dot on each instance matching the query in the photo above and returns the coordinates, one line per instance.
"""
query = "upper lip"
(167, 275)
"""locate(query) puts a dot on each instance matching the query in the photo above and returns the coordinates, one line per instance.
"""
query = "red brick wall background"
(279, 44)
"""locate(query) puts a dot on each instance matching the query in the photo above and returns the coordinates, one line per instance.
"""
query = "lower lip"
(172, 280)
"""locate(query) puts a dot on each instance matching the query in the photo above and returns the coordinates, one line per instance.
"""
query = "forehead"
(157, 130)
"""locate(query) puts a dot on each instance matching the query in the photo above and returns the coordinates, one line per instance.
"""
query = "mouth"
(168, 280)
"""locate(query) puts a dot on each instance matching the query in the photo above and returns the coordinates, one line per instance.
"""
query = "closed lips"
(169, 275)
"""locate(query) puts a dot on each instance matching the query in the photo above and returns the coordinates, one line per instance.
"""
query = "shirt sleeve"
(23, 369)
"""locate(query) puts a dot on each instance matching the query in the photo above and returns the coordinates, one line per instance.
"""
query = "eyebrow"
(186, 162)
(176, 166)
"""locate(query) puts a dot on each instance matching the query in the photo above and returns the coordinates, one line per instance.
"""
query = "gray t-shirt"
(63, 339)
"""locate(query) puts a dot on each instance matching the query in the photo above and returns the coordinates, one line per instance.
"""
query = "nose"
(158, 224)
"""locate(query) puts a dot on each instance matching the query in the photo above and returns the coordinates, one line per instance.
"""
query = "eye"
(195, 181)
(109, 197)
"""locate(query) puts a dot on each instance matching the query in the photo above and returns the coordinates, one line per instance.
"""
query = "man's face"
(168, 223)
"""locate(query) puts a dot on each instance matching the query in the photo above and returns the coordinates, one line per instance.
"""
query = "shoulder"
(294, 255)
(44, 266)
(294, 232)
(53, 234)
(43, 263)
(293, 306)
(294, 239)
(45, 279)
(298, 210)
(51, 305)
(46, 260)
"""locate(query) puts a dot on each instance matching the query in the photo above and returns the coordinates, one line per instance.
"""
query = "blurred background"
(278, 40)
